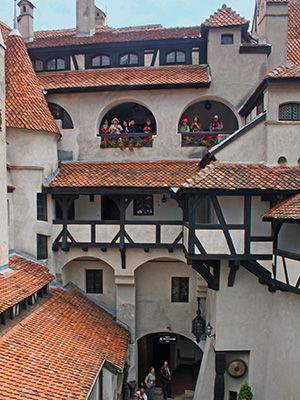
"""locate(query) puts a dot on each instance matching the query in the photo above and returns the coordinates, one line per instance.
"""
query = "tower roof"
(26, 106)
(224, 16)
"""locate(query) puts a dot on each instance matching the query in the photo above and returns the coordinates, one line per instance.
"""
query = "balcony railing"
(126, 140)
(206, 139)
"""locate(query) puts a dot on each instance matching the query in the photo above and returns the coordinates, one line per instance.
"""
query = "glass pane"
(175, 290)
(296, 112)
(133, 59)
(51, 65)
(285, 112)
(105, 61)
(180, 56)
(184, 290)
(171, 57)
(96, 61)
(124, 60)
(38, 65)
(227, 39)
(60, 63)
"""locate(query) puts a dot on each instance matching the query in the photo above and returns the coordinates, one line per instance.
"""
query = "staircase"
(188, 395)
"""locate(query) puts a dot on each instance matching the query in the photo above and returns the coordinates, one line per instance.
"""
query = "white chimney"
(85, 17)
(25, 20)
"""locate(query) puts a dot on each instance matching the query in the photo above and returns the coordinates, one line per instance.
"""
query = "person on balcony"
(216, 125)
(196, 125)
(104, 128)
(184, 127)
(125, 126)
(133, 128)
(115, 126)
(148, 128)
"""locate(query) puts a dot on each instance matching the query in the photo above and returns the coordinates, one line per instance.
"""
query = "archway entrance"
(183, 355)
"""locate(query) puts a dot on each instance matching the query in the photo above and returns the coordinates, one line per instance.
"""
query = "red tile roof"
(225, 16)
(126, 173)
(286, 70)
(5, 30)
(293, 48)
(67, 37)
(246, 176)
(26, 106)
(286, 210)
(185, 174)
(56, 352)
(27, 279)
(104, 79)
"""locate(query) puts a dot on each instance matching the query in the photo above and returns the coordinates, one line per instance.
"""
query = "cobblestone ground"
(189, 394)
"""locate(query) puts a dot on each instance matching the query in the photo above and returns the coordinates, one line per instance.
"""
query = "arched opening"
(131, 111)
(182, 354)
(209, 130)
(59, 113)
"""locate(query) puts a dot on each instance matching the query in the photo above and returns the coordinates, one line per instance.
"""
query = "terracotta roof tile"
(185, 174)
(246, 176)
(126, 173)
(104, 79)
(26, 106)
(286, 70)
(27, 279)
(225, 16)
(5, 29)
(67, 37)
(286, 210)
(56, 352)
(293, 49)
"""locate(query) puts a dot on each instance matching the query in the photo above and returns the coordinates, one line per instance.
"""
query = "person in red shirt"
(216, 125)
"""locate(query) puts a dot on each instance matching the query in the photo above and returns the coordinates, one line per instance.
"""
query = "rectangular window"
(41, 247)
(232, 395)
(227, 38)
(143, 205)
(41, 206)
(180, 290)
(94, 280)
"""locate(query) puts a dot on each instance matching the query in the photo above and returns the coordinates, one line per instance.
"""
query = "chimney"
(100, 17)
(3, 180)
(25, 20)
(85, 17)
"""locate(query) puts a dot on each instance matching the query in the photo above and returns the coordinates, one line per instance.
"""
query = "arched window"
(289, 112)
(56, 64)
(60, 113)
(175, 57)
(37, 65)
(100, 61)
(129, 59)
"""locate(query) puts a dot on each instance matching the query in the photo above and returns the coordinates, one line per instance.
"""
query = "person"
(148, 126)
(184, 128)
(150, 383)
(140, 394)
(216, 125)
(115, 126)
(196, 125)
(166, 375)
(132, 126)
(104, 128)
(125, 126)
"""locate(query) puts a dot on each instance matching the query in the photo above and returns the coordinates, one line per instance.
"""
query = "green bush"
(245, 392)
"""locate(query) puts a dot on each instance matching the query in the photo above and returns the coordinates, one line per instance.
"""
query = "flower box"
(126, 141)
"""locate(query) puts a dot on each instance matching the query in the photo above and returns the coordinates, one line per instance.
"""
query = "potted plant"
(245, 392)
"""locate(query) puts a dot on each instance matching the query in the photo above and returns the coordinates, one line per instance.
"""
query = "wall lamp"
(164, 199)
(208, 331)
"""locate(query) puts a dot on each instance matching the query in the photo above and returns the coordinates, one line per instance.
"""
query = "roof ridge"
(212, 20)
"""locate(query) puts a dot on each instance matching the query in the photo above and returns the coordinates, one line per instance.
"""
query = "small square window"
(143, 205)
(94, 280)
(42, 248)
(227, 38)
(180, 290)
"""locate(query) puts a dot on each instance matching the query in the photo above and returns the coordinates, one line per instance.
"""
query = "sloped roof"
(105, 79)
(56, 352)
(293, 48)
(5, 29)
(285, 70)
(26, 106)
(225, 16)
(180, 174)
(288, 210)
(105, 34)
(27, 278)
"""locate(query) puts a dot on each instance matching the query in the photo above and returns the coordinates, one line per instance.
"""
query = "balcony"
(122, 141)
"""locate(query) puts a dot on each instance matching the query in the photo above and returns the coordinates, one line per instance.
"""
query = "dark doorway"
(109, 210)
(161, 353)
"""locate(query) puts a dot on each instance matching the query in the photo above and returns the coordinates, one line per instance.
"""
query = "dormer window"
(227, 38)
(129, 59)
(37, 65)
(100, 61)
(289, 112)
(175, 57)
(56, 64)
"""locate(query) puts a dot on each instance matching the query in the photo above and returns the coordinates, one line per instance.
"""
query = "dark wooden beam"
(234, 267)
(203, 268)
(219, 389)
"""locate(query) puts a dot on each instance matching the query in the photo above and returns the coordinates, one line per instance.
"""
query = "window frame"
(93, 273)
(143, 198)
(34, 61)
(101, 61)
(62, 115)
(56, 59)
(225, 36)
(292, 105)
(41, 247)
(41, 207)
(182, 298)
(129, 64)
(176, 57)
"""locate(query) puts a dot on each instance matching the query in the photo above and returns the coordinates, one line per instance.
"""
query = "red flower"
(209, 137)
(145, 140)
(183, 138)
(125, 137)
(203, 136)
(192, 137)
